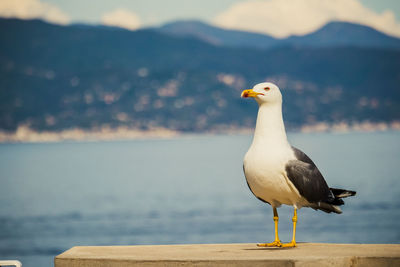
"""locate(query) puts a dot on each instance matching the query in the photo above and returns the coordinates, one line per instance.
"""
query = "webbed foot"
(276, 243)
(289, 245)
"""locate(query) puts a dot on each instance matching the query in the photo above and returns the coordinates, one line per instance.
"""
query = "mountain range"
(330, 35)
(189, 78)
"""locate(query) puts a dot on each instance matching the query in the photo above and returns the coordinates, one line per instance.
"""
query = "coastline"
(24, 134)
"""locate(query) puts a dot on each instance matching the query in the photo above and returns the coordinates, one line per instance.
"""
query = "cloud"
(30, 9)
(121, 18)
(281, 18)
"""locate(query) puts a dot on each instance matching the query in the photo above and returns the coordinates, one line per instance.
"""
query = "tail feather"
(328, 208)
(332, 205)
(336, 201)
(342, 193)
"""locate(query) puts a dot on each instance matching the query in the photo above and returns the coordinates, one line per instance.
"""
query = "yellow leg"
(293, 243)
(277, 242)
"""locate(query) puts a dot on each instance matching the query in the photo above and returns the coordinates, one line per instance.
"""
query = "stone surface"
(306, 254)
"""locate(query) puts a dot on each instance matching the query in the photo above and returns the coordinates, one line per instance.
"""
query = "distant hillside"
(345, 34)
(332, 34)
(217, 36)
(56, 77)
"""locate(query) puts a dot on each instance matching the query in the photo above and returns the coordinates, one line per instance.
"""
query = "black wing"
(306, 177)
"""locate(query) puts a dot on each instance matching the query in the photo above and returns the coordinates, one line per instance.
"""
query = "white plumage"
(278, 173)
(264, 162)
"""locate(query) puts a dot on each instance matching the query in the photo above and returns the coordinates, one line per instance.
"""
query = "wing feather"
(306, 177)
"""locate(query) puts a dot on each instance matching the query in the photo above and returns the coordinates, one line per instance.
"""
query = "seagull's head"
(264, 93)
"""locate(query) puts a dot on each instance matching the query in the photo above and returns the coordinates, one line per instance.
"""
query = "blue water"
(184, 190)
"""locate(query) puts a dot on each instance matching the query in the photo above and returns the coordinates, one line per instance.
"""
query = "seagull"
(278, 173)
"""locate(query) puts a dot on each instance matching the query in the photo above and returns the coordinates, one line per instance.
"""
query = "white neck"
(270, 129)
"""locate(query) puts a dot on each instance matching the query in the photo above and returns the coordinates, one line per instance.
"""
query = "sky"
(279, 18)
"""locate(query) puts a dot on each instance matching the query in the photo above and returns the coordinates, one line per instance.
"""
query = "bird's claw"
(276, 243)
(279, 244)
(289, 245)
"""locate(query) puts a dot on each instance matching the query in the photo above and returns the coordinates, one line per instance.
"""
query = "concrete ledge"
(306, 254)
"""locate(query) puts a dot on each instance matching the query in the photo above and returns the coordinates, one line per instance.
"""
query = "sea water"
(190, 189)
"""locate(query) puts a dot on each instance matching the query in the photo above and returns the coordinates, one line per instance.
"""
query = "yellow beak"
(249, 93)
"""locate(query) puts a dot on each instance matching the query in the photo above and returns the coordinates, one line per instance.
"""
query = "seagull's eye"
(266, 88)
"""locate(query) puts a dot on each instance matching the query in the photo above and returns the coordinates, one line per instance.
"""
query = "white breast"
(264, 163)
(265, 173)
